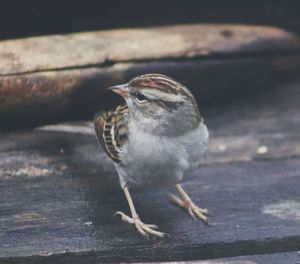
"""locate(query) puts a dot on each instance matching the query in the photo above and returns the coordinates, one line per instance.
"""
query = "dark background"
(30, 18)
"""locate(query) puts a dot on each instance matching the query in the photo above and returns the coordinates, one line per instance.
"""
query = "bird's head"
(159, 104)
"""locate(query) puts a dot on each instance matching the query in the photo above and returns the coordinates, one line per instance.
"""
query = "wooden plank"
(113, 46)
(53, 74)
(61, 206)
(58, 194)
(279, 258)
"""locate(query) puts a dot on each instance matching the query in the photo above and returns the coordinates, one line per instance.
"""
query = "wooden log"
(105, 47)
(59, 191)
(66, 76)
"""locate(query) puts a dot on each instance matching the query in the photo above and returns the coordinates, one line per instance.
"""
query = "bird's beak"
(121, 90)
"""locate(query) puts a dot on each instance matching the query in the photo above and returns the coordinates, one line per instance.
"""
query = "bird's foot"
(144, 229)
(193, 210)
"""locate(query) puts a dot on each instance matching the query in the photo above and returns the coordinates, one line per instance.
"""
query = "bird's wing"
(111, 130)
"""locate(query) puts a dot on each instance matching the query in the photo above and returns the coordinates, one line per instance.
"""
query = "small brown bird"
(154, 139)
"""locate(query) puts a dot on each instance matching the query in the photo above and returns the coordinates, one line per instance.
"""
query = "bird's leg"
(144, 229)
(186, 202)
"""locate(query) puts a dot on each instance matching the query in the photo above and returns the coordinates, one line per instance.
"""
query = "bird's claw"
(193, 210)
(144, 229)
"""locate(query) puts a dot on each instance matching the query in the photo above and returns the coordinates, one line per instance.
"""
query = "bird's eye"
(140, 97)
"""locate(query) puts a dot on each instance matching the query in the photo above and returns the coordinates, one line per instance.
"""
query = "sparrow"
(153, 139)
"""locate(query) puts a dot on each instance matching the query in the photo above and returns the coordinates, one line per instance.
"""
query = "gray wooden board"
(59, 191)
(277, 258)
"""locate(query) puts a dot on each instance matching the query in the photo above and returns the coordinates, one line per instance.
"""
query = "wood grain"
(113, 46)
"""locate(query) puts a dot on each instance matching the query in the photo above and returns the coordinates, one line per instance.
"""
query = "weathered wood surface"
(59, 191)
(67, 76)
(114, 46)
(279, 258)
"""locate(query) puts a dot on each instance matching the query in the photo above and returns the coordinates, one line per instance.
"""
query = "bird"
(153, 140)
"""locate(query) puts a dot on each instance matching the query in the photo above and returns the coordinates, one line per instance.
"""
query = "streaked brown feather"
(159, 82)
(111, 130)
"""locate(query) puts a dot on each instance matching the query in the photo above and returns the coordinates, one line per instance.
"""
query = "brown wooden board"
(59, 191)
(130, 45)
(65, 76)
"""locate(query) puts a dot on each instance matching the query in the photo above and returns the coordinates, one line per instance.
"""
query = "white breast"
(156, 160)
